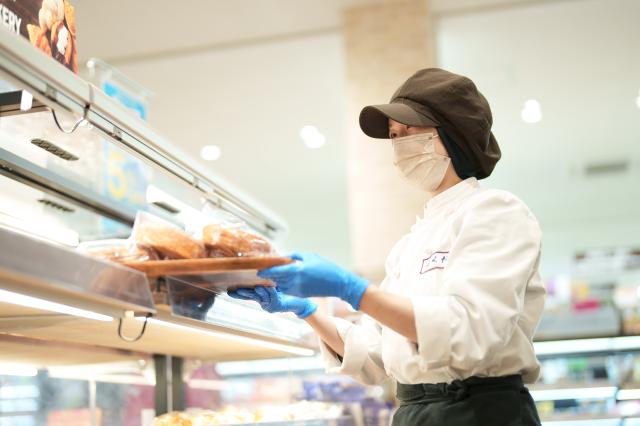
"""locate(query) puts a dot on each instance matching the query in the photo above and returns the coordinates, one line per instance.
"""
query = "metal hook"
(139, 336)
(78, 123)
(73, 128)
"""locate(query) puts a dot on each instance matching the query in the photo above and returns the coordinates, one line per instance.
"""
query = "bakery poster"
(50, 25)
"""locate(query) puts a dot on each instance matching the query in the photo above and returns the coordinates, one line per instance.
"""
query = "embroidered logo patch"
(438, 260)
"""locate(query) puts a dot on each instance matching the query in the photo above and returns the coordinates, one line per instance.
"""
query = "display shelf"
(594, 390)
(38, 277)
(582, 420)
(571, 385)
(26, 352)
(341, 421)
(165, 333)
(53, 273)
(91, 295)
(629, 392)
(23, 171)
(578, 347)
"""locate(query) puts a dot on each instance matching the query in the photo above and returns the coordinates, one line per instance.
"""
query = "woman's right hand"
(273, 300)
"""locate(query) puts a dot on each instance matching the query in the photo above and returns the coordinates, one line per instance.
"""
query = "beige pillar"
(385, 43)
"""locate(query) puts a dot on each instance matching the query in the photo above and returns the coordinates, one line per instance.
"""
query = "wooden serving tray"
(181, 267)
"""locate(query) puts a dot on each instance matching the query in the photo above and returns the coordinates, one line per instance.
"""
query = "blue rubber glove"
(272, 300)
(314, 276)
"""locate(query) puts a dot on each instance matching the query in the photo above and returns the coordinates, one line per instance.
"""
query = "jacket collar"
(452, 197)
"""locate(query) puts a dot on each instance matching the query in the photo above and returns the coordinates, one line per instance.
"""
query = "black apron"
(476, 401)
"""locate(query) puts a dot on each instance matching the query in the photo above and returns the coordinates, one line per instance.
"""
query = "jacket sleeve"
(362, 352)
(492, 260)
(362, 342)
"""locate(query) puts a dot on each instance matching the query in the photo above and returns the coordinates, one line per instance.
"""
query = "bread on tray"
(169, 241)
(222, 241)
(116, 250)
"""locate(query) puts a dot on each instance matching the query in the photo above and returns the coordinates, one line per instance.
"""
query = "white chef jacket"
(470, 269)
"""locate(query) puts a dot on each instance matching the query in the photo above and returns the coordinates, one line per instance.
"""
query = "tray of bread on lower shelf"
(219, 257)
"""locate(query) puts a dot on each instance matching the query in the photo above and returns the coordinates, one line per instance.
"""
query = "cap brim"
(374, 119)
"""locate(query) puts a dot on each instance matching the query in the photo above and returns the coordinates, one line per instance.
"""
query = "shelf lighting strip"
(24, 370)
(586, 422)
(603, 392)
(606, 344)
(242, 339)
(33, 302)
(628, 394)
(269, 366)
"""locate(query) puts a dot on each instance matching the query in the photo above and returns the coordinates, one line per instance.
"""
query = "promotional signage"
(50, 25)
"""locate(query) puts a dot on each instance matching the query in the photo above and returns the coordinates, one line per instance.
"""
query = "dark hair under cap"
(464, 167)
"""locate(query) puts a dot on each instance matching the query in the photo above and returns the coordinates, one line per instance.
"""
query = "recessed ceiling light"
(312, 137)
(210, 152)
(638, 99)
(531, 112)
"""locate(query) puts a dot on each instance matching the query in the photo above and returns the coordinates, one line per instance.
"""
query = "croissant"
(133, 253)
(60, 31)
(74, 55)
(56, 7)
(223, 241)
(174, 418)
(168, 241)
(39, 38)
(45, 19)
(70, 17)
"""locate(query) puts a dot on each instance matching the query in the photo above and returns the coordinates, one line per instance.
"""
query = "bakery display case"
(75, 170)
(587, 341)
(588, 381)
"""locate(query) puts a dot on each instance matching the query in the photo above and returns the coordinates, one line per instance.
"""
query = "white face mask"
(417, 159)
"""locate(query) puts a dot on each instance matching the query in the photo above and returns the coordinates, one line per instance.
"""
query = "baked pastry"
(61, 43)
(74, 54)
(70, 17)
(169, 241)
(118, 250)
(133, 253)
(56, 7)
(222, 241)
(45, 19)
(205, 418)
(175, 418)
(39, 38)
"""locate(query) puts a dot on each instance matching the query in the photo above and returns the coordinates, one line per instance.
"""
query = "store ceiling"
(123, 31)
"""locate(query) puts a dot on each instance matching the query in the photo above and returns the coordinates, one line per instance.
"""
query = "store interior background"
(248, 75)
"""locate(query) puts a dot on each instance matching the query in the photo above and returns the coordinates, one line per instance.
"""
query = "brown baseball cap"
(434, 97)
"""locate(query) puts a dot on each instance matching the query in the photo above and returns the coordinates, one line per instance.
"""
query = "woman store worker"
(453, 320)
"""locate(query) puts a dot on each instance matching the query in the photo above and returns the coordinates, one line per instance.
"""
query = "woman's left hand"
(272, 300)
